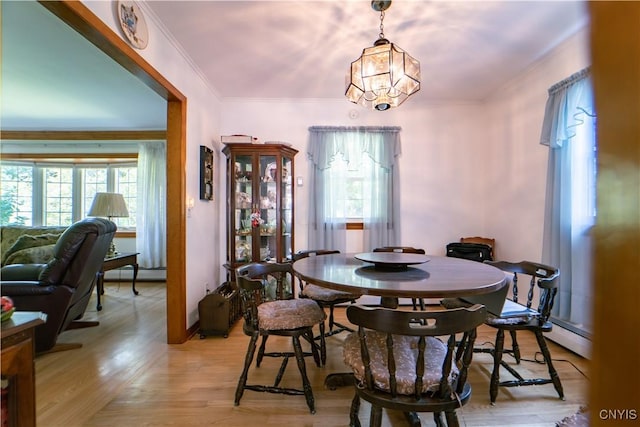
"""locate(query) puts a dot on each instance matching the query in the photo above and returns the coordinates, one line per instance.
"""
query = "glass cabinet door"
(243, 208)
(268, 207)
(286, 223)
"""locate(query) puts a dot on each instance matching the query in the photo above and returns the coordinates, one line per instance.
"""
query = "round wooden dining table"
(393, 275)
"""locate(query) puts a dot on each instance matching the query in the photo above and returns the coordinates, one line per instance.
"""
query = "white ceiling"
(272, 49)
(54, 79)
(302, 49)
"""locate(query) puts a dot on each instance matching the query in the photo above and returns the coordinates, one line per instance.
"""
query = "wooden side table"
(18, 348)
(117, 261)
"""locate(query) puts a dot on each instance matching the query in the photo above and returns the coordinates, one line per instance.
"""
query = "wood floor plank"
(126, 375)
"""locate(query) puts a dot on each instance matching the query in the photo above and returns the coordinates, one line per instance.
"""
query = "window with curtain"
(354, 176)
(569, 130)
(151, 232)
(51, 194)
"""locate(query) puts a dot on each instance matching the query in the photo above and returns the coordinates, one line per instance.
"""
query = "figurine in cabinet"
(243, 249)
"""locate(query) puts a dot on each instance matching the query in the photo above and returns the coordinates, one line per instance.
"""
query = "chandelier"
(384, 76)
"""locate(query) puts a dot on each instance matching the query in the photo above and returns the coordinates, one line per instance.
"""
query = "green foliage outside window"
(66, 192)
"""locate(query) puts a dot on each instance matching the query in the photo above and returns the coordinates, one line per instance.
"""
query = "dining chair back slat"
(404, 360)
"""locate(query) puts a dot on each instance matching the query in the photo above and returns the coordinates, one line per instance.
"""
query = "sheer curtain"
(151, 229)
(569, 132)
(333, 151)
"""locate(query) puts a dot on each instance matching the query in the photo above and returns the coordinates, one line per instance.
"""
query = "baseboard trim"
(570, 340)
(126, 274)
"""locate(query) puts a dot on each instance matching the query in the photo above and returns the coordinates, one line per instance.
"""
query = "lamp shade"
(108, 205)
(383, 77)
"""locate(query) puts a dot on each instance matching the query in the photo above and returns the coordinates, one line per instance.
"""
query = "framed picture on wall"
(206, 173)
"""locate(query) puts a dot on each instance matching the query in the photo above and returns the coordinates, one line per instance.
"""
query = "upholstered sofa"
(27, 245)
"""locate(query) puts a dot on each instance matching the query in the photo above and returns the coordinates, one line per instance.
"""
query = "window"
(348, 188)
(126, 183)
(569, 129)
(16, 194)
(354, 178)
(58, 196)
(49, 194)
(95, 181)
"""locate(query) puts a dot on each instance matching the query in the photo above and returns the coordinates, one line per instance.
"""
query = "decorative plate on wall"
(133, 25)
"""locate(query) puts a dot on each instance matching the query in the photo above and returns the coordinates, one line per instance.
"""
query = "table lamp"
(109, 205)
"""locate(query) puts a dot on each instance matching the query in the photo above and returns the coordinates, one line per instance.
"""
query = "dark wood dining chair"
(400, 363)
(325, 297)
(489, 241)
(516, 316)
(407, 250)
(269, 308)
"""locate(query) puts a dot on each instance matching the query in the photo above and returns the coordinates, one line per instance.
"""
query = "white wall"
(515, 189)
(441, 148)
(465, 169)
(203, 240)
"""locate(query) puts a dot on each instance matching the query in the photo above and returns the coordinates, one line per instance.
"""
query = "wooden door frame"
(615, 47)
(86, 23)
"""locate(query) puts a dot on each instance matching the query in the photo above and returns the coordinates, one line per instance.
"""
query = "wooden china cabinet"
(260, 208)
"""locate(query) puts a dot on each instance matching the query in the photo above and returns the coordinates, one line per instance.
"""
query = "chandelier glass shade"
(383, 77)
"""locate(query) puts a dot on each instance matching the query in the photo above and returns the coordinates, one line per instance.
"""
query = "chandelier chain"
(381, 35)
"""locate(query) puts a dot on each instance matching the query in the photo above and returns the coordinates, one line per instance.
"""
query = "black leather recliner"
(61, 288)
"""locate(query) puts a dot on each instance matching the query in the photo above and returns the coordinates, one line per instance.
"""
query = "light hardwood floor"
(126, 375)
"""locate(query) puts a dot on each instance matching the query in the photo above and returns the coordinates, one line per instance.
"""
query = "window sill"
(355, 226)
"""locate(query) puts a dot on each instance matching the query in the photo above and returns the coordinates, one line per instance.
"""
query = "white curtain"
(569, 132)
(151, 229)
(333, 151)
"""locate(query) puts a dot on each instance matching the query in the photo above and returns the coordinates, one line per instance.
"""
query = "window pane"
(58, 208)
(347, 189)
(126, 183)
(94, 181)
(15, 194)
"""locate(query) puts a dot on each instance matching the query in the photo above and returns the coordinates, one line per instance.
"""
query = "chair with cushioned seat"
(399, 362)
(407, 250)
(324, 297)
(62, 287)
(269, 308)
(521, 317)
